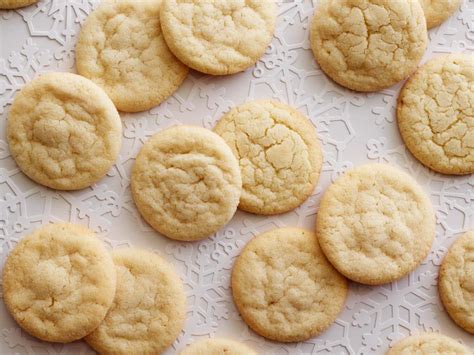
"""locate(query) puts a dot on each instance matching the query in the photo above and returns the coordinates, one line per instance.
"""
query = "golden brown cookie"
(438, 11)
(217, 346)
(15, 4)
(429, 344)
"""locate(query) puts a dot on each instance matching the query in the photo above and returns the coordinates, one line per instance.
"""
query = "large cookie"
(121, 48)
(186, 182)
(279, 155)
(217, 346)
(284, 287)
(14, 4)
(218, 37)
(429, 344)
(63, 131)
(438, 11)
(375, 224)
(59, 282)
(435, 114)
(368, 45)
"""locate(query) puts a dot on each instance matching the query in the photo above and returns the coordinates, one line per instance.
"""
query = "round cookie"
(59, 282)
(218, 37)
(217, 346)
(375, 224)
(121, 48)
(284, 287)
(63, 131)
(15, 4)
(435, 114)
(149, 308)
(186, 182)
(438, 11)
(368, 45)
(428, 344)
(279, 155)
(456, 282)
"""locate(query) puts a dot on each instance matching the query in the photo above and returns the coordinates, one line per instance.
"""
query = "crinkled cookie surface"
(435, 114)
(218, 37)
(122, 49)
(63, 131)
(429, 344)
(149, 308)
(59, 282)
(284, 287)
(186, 182)
(278, 151)
(375, 224)
(368, 45)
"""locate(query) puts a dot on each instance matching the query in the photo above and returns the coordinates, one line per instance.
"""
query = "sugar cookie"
(218, 37)
(121, 48)
(456, 282)
(429, 344)
(279, 155)
(63, 131)
(59, 282)
(186, 182)
(436, 114)
(217, 346)
(284, 287)
(149, 308)
(438, 11)
(375, 224)
(15, 4)
(368, 45)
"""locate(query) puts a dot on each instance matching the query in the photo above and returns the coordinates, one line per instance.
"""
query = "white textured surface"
(354, 128)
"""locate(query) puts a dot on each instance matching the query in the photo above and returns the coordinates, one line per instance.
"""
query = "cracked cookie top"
(186, 182)
(429, 344)
(149, 308)
(368, 45)
(279, 155)
(63, 131)
(59, 282)
(218, 37)
(456, 282)
(14, 4)
(121, 48)
(438, 11)
(284, 287)
(217, 346)
(435, 114)
(375, 224)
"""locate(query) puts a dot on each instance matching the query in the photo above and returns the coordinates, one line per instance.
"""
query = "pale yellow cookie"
(217, 346)
(63, 131)
(218, 37)
(368, 45)
(284, 287)
(122, 49)
(436, 114)
(429, 344)
(456, 282)
(149, 308)
(15, 4)
(438, 11)
(186, 182)
(375, 224)
(59, 282)
(279, 155)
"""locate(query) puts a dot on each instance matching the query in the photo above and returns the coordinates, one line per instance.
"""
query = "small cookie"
(217, 346)
(284, 287)
(63, 131)
(218, 37)
(435, 114)
(438, 11)
(368, 45)
(456, 282)
(279, 155)
(375, 224)
(186, 182)
(59, 282)
(121, 48)
(429, 344)
(15, 4)
(149, 308)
